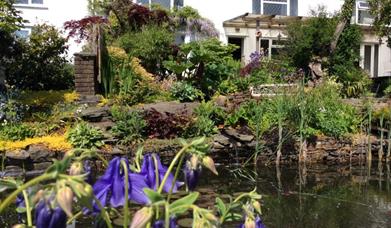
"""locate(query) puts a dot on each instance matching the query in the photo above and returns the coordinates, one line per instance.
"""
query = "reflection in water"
(302, 196)
(315, 195)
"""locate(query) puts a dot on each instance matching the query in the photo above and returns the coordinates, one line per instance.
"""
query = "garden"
(180, 134)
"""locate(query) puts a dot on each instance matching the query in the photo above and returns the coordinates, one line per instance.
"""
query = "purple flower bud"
(45, 217)
(192, 174)
(160, 223)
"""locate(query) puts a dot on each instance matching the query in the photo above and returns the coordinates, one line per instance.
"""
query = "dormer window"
(275, 7)
(363, 15)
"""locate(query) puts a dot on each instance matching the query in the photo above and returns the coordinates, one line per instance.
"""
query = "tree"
(10, 21)
(381, 10)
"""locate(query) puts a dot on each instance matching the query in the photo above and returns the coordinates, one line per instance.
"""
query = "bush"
(310, 38)
(15, 132)
(152, 45)
(135, 84)
(184, 91)
(85, 136)
(129, 126)
(165, 126)
(326, 113)
(43, 65)
(207, 116)
(387, 91)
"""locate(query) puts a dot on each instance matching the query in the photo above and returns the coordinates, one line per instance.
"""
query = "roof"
(250, 20)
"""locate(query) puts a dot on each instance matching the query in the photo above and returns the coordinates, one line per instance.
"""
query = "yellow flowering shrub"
(41, 98)
(140, 70)
(53, 142)
(117, 54)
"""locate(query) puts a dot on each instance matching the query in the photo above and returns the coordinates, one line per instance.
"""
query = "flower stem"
(28, 209)
(175, 177)
(126, 208)
(74, 217)
(167, 215)
(177, 156)
(102, 159)
(103, 212)
(32, 182)
(156, 171)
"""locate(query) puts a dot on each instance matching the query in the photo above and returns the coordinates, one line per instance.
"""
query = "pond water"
(310, 196)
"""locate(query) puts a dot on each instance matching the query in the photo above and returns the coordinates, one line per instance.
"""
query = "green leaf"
(152, 195)
(181, 205)
(8, 184)
(221, 206)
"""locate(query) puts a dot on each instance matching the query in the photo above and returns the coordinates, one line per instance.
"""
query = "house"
(264, 30)
(52, 12)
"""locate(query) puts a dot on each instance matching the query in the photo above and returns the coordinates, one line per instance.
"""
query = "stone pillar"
(86, 74)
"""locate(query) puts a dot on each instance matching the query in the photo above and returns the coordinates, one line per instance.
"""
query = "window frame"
(26, 28)
(172, 4)
(287, 3)
(32, 5)
(360, 8)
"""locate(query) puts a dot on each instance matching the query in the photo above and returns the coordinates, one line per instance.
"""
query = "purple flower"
(45, 217)
(20, 204)
(160, 223)
(258, 223)
(87, 170)
(192, 173)
(148, 170)
(110, 188)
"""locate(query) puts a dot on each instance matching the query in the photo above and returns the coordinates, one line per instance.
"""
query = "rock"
(236, 135)
(218, 146)
(17, 154)
(42, 165)
(94, 114)
(185, 109)
(221, 101)
(222, 140)
(40, 153)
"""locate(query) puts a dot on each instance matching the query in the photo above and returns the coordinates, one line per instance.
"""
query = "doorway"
(238, 41)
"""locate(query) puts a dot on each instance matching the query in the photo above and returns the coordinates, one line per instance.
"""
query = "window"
(23, 33)
(362, 13)
(29, 2)
(275, 7)
(272, 47)
(370, 59)
(165, 3)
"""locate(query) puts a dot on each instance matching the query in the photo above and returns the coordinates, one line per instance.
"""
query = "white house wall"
(55, 12)
(305, 6)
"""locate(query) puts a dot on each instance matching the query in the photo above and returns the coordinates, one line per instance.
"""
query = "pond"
(306, 196)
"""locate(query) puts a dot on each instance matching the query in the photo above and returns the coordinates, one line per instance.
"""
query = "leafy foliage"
(184, 91)
(14, 132)
(43, 65)
(152, 45)
(207, 116)
(85, 136)
(310, 38)
(129, 126)
(381, 11)
(165, 125)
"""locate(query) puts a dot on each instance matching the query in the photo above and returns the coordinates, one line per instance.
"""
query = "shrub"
(152, 45)
(326, 113)
(129, 126)
(85, 136)
(14, 132)
(184, 91)
(11, 110)
(135, 84)
(43, 65)
(207, 116)
(165, 125)
(387, 91)
(310, 38)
